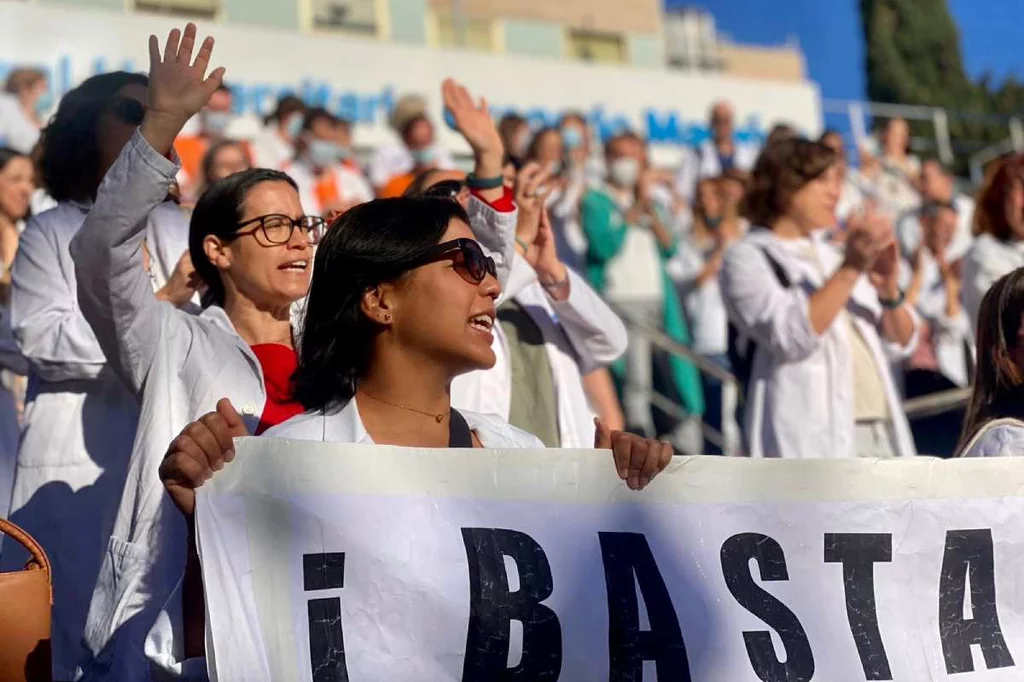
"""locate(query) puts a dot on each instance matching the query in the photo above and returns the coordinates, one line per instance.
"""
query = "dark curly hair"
(70, 161)
(782, 169)
(369, 245)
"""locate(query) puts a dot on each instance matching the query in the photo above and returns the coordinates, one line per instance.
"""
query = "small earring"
(387, 317)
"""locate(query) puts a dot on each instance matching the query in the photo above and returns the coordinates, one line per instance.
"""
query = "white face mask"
(624, 172)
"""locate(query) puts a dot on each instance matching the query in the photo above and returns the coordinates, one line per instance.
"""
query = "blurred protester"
(80, 420)
(16, 186)
(998, 246)
(627, 246)
(213, 123)
(895, 181)
(851, 199)
(274, 146)
(945, 348)
(994, 426)
(938, 187)
(394, 167)
(583, 160)
(564, 190)
(716, 226)
(23, 103)
(818, 376)
(326, 185)
(223, 158)
(552, 329)
(515, 137)
(717, 155)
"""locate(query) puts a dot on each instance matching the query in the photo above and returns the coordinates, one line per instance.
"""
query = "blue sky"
(830, 34)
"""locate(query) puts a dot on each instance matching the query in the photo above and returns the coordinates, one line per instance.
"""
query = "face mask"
(713, 222)
(572, 137)
(344, 152)
(624, 172)
(294, 127)
(216, 122)
(44, 103)
(322, 153)
(521, 145)
(424, 157)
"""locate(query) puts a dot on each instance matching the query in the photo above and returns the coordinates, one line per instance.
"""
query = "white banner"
(361, 78)
(343, 562)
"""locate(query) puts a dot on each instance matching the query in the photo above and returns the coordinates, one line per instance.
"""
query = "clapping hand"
(531, 192)
(178, 85)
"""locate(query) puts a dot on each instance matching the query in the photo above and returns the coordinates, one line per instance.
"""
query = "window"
(478, 33)
(187, 8)
(358, 16)
(604, 48)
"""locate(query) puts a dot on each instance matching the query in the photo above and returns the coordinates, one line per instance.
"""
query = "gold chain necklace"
(436, 417)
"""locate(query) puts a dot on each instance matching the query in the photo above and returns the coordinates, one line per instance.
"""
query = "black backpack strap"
(459, 435)
(777, 269)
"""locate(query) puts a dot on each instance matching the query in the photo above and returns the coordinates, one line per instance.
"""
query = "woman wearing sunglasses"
(79, 420)
(402, 302)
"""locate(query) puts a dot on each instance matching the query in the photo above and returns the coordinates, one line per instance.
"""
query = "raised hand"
(178, 85)
(530, 194)
(637, 460)
(473, 119)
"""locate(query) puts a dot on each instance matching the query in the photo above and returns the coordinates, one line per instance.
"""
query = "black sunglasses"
(278, 229)
(468, 259)
(446, 189)
(129, 110)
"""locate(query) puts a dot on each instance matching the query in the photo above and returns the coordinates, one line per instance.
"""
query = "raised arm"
(114, 291)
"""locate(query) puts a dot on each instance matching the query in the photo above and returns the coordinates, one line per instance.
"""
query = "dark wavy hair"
(371, 244)
(782, 169)
(990, 216)
(998, 383)
(70, 161)
(218, 212)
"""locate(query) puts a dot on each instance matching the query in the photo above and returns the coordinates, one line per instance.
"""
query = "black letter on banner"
(626, 555)
(326, 643)
(858, 553)
(970, 551)
(492, 608)
(737, 552)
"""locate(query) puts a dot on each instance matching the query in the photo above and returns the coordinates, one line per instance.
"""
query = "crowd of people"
(167, 286)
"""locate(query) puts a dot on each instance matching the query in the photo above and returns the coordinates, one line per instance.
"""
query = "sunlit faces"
(437, 313)
(709, 197)
(938, 226)
(16, 186)
(228, 160)
(813, 206)
(269, 275)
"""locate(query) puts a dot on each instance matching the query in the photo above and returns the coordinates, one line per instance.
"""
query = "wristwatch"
(893, 303)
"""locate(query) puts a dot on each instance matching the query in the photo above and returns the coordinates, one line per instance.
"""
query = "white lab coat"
(800, 396)
(180, 365)
(79, 419)
(952, 337)
(703, 162)
(17, 131)
(352, 186)
(998, 438)
(269, 149)
(580, 335)
(988, 260)
(392, 160)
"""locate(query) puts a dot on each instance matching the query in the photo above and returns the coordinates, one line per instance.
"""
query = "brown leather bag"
(25, 602)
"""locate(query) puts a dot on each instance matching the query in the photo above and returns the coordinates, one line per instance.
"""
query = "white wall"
(360, 78)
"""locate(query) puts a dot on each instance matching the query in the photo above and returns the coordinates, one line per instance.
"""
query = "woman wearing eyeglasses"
(79, 420)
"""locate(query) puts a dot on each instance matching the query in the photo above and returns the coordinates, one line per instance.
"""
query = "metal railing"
(915, 408)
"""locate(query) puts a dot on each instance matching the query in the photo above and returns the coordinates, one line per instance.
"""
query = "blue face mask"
(44, 104)
(344, 152)
(216, 122)
(713, 222)
(572, 137)
(294, 126)
(425, 156)
(323, 153)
